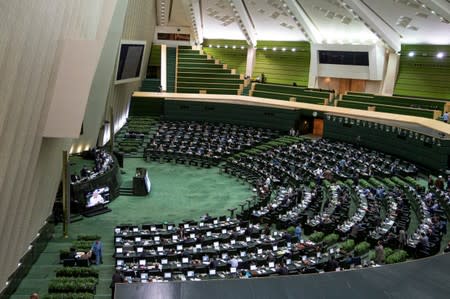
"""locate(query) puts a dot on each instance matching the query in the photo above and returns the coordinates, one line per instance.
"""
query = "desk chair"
(232, 212)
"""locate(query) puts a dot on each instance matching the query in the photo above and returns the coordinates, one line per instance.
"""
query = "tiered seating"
(427, 237)
(291, 93)
(212, 249)
(429, 108)
(133, 137)
(196, 73)
(312, 183)
(202, 143)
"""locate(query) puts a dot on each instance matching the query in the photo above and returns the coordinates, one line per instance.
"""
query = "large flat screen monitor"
(97, 197)
(129, 61)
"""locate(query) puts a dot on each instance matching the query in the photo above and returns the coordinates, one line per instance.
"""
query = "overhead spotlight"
(293, 49)
(274, 48)
(283, 49)
(234, 47)
(265, 48)
(218, 46)
(411, 54)
(210, 46)
(440, 55)
(226, 46)
(242, 47)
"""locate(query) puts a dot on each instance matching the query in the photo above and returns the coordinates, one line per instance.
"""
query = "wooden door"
(318, 127)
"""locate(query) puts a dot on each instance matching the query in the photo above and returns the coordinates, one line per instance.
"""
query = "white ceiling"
(331, 21)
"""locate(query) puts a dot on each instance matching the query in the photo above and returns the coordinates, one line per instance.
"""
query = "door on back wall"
(318, 127)
(355, 85)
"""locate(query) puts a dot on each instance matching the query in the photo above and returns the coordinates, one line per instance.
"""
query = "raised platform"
(97, 210)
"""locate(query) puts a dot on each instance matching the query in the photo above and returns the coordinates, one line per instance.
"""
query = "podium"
(141, 182)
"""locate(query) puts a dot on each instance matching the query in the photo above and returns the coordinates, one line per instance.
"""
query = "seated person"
(447, 249)
(282, 269)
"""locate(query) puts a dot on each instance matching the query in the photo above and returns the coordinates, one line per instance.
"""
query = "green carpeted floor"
(178, 192)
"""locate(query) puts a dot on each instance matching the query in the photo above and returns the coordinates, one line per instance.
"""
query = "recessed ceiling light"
(234, 47)
(226, 46)
(242, 47)
(293, 50)
(411, 54)
(274, 48)
(265, 48)
(440, 55)
(283, 49)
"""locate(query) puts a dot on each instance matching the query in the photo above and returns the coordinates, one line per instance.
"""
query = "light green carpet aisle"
(178, 192)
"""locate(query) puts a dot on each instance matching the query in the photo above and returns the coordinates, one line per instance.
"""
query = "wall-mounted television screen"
(129, 61)
(97, 197)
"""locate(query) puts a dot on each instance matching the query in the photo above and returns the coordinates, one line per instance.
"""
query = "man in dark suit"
(116, 278)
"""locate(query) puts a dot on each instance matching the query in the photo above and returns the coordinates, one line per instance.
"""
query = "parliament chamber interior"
(225, 148)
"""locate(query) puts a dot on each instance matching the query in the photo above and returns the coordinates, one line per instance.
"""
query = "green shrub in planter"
(69, 296)
(362, 248)
(388, 251)
(82, 245)
(349, 182)
(72, 285)
(389, 182)
(348, 245)
(291, 230)
(77, 272)
(64, 254)
(331, 239)
(316, 237)
(397, 257)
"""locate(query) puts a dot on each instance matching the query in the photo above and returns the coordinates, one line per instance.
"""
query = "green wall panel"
(155, 56)
(424, 75)
(283, 67)
(146, 107)
(265, 117)
(235, 58)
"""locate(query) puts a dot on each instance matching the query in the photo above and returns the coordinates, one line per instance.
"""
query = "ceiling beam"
(374, 23)
(302, 20)
(440, 8)
(163, 12)
(244, 22)
(196, 20)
